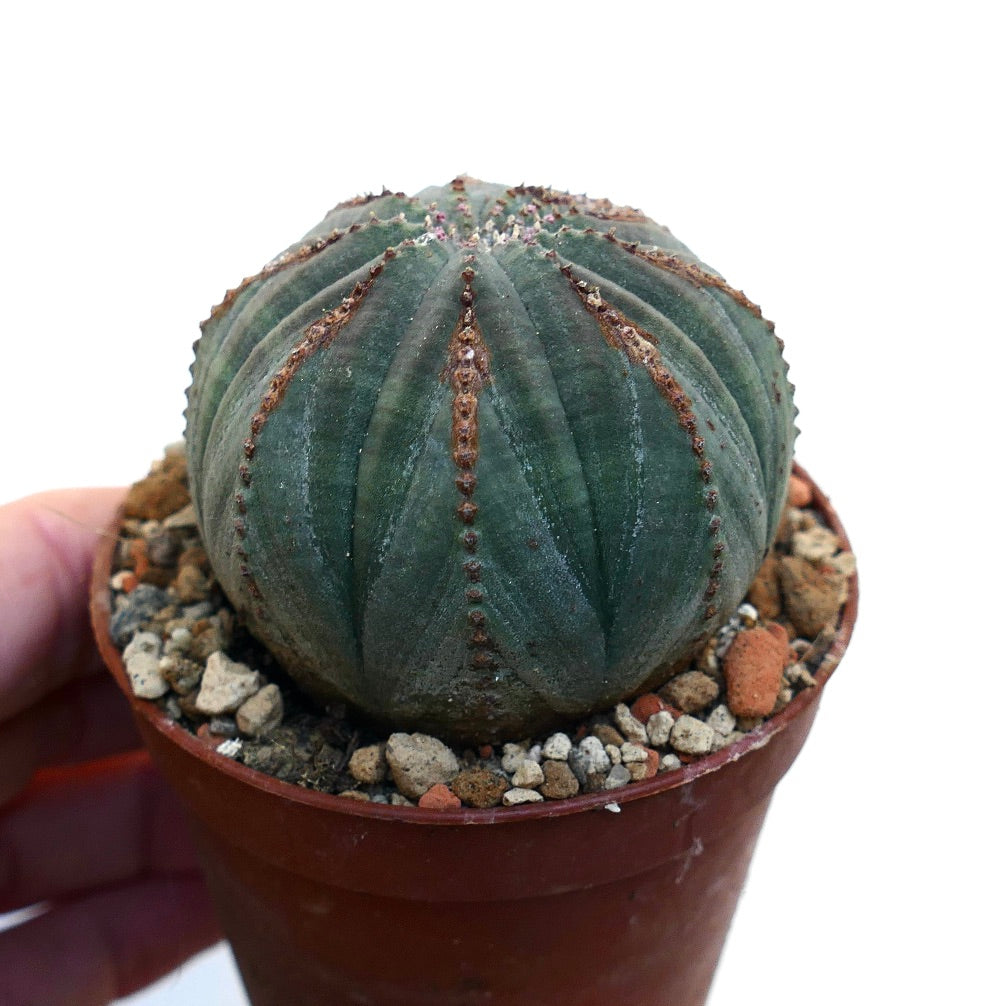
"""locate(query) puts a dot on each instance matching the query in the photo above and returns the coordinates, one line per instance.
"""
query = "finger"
(49, 542)
(93, 825)
(84, 720)
(99, 948)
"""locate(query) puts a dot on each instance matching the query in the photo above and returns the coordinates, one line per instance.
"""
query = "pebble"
(354, 794)
(589, 757)
(369, 764)
(658, 728)
(261, 713)
(753, 669)
(140, 606)
(190, 585)
(669, 763)
(418, 761)
(631, 752)
(157, 496)
(646, 705)
(162, 548)
(692, 736)
(692, 691)
(560, 782)
(439, 797)
(800, 494)
(815, 545)
(614, 753)
(181, 674)
(480, 787)
(226, 685)
(529, 775)
(557, 747)
(764, 591)
(607, 734)
(223, 726)
(179, 640)
(630, 727)
(125, 581)
(181, 520)
(645, 769)
(513, 755)
(722, 720)
(618, 777)
(813, 596)
(142, 659)
(517, 795)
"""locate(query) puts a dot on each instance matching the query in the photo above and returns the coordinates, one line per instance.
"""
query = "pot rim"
(611, 799)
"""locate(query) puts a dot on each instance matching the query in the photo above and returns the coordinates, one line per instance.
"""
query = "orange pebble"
(753, 669)
(800, 493)
(439, 797)
(646, 705)
(652, 763)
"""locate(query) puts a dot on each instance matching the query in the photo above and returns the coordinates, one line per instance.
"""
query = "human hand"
(87, 828)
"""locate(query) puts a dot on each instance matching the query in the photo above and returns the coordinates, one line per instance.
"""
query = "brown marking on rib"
(467, 373)
(602, 209)
(640, 348)
(319, 335)
(691, 272)
(368, 197)
(291, 258)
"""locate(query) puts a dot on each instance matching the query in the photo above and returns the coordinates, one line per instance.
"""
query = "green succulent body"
(487, 458)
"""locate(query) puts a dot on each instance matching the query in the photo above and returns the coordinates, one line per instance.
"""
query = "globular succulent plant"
(486, 458)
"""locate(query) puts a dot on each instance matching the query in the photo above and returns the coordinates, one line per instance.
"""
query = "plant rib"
(319, 335)
(640, 348)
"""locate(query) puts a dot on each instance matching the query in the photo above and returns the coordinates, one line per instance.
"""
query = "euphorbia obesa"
(486, 458)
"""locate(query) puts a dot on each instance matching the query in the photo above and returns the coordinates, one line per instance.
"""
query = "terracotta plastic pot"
(622, 896)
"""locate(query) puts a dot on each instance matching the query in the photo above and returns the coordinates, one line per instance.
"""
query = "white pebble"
(557, 747)
(632, 753)
(722, 720)
(226, 685)
(229, 748)
(589, 758)
(513, 755)
(630, 728)
(748, 614)
(261, 713)
(179, 641)
(418, 761)
(814, 545)
(517, 795)
(692, 736)
(614, 753)
(669, 763)
(120, 579)
(844, 563)
(528, 775)
(658, 728)
(142, 658)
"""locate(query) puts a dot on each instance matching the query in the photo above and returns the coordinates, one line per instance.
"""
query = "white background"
(839, 162)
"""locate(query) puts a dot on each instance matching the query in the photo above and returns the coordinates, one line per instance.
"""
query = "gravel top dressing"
(185, 648)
